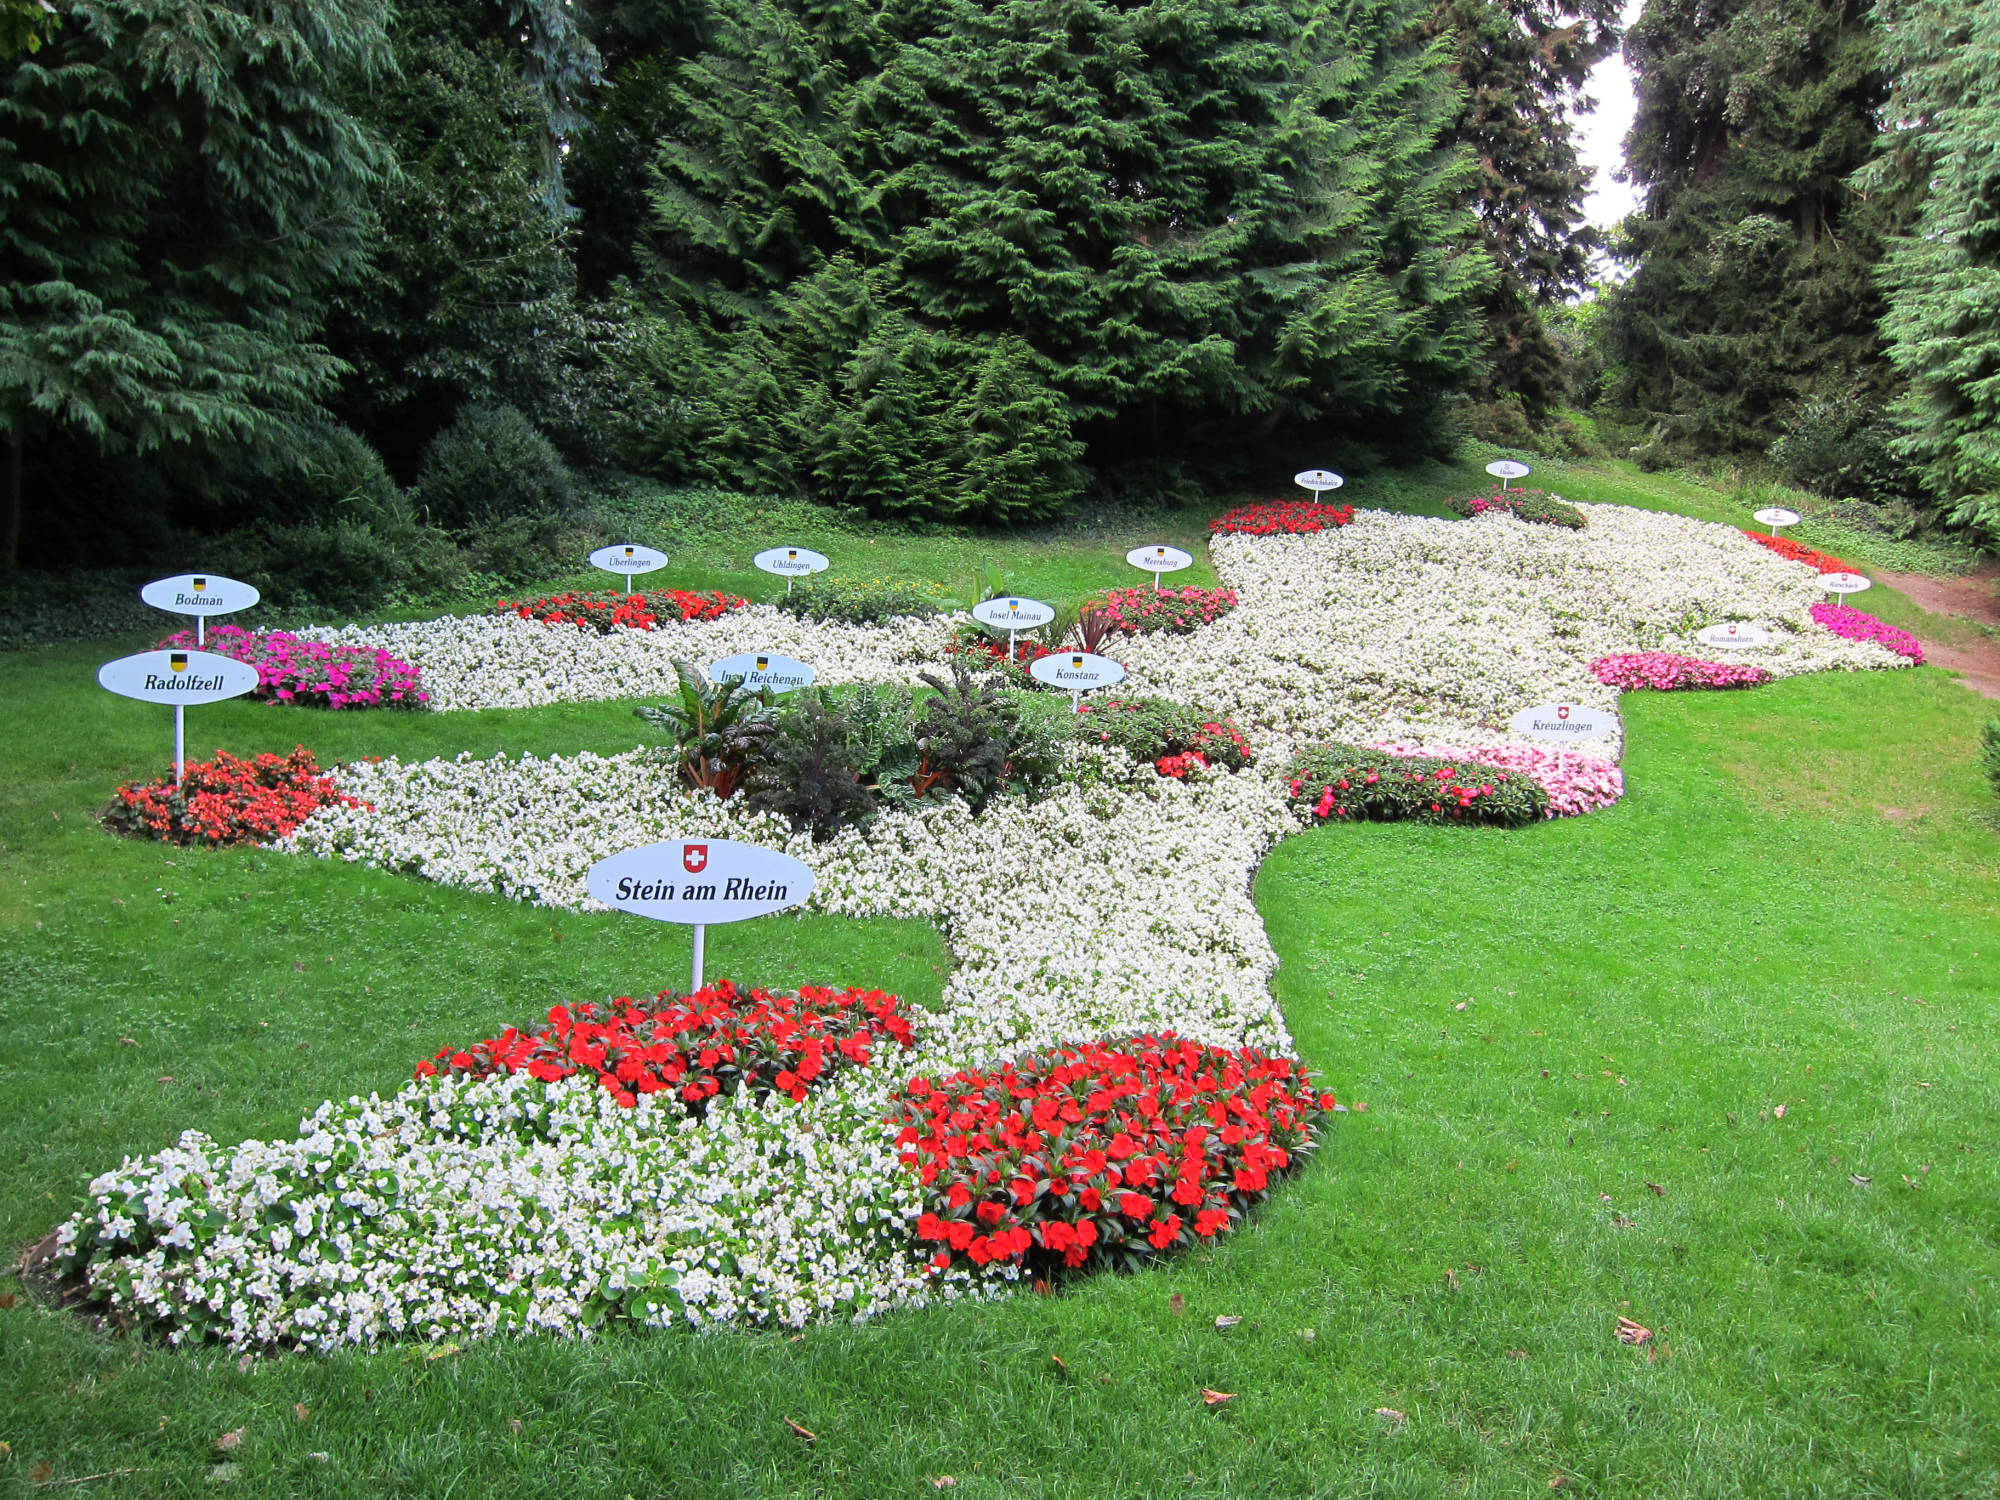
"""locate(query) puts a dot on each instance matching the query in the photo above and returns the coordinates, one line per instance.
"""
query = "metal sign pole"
(180, 744)
(200, 633)
(699, 932)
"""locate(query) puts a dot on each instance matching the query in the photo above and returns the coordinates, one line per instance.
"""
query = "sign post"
(1504, 469)
(699, 881)
(791, 562)
(200, 595)
(1775, 516)
(1079, 671)
(626, 560)
(1012, 614)
(762, 669)
(1843, 584)
(1731, 635)
(1318, 481)
(1567, 722)
(178, 678)
(1157, 560)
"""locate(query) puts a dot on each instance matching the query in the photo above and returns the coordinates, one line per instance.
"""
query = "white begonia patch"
(1119, 904)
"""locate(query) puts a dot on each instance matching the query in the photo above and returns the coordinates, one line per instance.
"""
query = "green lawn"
(1795, 906)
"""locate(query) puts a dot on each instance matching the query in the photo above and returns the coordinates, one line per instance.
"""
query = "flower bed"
(1142, 611)
(606, 610)
(1352, 784)
(1793, 551)
(1281, 518)
(227, 800)
(1537, 506)
(1850, 624)
(1175, 738)
(1575, 783)
(1664, 672)
(1100, 1152)
(295, 669)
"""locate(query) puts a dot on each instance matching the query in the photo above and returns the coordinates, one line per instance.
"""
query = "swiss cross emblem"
(1562, 711)
(695, 857)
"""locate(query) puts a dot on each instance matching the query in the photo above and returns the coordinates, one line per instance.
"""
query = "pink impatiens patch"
(1664, 672)
(1576, 783)
(292, 669)
(1851, 624)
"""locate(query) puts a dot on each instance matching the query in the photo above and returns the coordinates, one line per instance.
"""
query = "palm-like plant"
(718, 728)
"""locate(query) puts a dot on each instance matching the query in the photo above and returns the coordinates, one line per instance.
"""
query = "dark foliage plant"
(719, 730)
(1537, 506)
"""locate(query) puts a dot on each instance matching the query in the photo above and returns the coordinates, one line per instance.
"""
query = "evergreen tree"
(1942, 279)
(182, 186)
(1162, 222)
(1752, 291)
(1522, 66)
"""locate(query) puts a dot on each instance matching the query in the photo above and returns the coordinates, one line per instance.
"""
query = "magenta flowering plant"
(1664, 672)
(1851, 624)
(1142, 611)
(1574, 782)
(292, 669)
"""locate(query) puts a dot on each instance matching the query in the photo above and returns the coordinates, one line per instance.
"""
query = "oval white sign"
(178, 677)
(1013, 614)
(1507, 468)
(1734, 633)
(1777, 515)
(199, 594)
(1318, 479)
(791, 562)
(1159, 559)
(699, 881)
(624, 559)
(762, 669)
(1076, 671)
(1563, 721)
(1844, 583)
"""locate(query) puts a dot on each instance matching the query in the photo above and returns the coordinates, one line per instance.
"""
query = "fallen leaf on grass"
(1657, 1190)
(1390, 1415)
(7, 1298)
(944, 1482)
(1216, 1398)
(1619, 1221)
(1779, 1111)
(801, 1433)
(513, 1424)
(1361, 1107)
(1631, 1333)
(133, 1041)
(223, 1473)
(301, 1410)
(1042, 1287)
(1307, 1334)
(1858, 1180)
(1451, 1276)
(167, 1078)
(1517, 1353)
(229, 1442)
(1177, 1304)
(1057, 1360)
(1225, 1320)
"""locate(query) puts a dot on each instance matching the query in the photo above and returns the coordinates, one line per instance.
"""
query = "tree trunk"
(10, 507)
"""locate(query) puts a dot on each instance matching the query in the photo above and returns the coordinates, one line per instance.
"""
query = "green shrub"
(854, 603)
(1538, 506)
(347, 566)
(490, 466)
(1842, 446)
(1150, 729)
(1348, 784)
(719, 731)
(1989, 752)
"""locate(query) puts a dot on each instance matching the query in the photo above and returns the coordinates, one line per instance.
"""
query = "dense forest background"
(391, 292)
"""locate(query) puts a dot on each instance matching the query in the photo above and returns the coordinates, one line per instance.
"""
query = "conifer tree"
(1522, 66)
(1752, 288)
(1942, 277)
(182, 188)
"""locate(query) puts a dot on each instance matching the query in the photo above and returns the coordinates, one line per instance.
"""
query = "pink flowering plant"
(291, 669)
(1851, 624)
(1144, 611)
(1354, 784)
(1574, 782)
(1664, 672)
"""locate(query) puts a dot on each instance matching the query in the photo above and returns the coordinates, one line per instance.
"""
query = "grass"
(1794, 906)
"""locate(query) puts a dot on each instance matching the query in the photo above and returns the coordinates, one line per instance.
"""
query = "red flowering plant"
(228, 800)
(718, 1040)
(1178, 740)
(1281, 518)
(605, 610)
(977, 642)
(1107, 1152)
(1792, 551)
(1142, 611)
(1349, 784)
